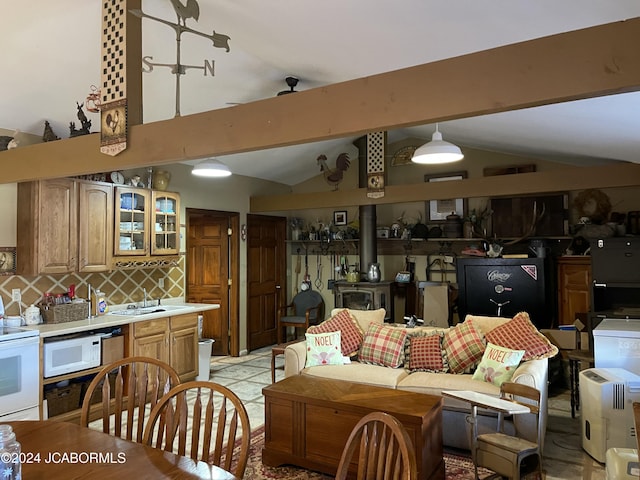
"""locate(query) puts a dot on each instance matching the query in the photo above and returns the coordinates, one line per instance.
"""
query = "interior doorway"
(213, 272)
(266, 277)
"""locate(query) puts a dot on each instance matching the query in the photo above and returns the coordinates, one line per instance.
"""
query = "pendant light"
(437, 151)
(211, 167)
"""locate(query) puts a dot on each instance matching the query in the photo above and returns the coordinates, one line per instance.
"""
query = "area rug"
(456, 467)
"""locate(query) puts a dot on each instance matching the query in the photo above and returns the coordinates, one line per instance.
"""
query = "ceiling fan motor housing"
(291, 82)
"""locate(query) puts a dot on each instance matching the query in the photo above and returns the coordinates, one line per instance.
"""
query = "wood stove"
(365, 296)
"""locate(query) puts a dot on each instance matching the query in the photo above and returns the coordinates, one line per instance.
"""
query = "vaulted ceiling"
(52, 58)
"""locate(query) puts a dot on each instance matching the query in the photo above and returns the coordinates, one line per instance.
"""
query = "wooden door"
(574, 285)
(212, 273)
(95, 225)
(266, 277)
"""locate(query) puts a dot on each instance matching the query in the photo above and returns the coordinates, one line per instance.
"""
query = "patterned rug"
(456, 467)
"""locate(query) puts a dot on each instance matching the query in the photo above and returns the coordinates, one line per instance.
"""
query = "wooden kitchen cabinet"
(95, 226)
(183, 345)
(132, 221)
(147, 222)
(574, 287)
(64, 225)
(173, 340)
(165, 223)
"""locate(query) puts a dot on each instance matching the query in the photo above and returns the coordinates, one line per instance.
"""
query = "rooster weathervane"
(183, 13)
(333, 176)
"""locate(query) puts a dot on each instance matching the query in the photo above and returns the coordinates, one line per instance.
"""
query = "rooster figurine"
(334, 176)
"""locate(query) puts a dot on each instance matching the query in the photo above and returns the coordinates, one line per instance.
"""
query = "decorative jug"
(32, 315)
(373, 275)
(161, 180)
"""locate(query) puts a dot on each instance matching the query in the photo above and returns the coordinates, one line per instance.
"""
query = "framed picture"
(7, 260)
(340, 217)
(439, 209)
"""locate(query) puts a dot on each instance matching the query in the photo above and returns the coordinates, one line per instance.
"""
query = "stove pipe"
(367, 215)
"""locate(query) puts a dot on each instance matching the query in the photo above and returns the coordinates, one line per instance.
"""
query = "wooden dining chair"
(126, 391)
(207, 421)
(510, 455)
(385, 450)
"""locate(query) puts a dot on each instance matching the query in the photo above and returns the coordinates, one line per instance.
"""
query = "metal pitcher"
(373, 274)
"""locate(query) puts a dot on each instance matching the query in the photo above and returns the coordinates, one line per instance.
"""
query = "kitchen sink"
(148, 310)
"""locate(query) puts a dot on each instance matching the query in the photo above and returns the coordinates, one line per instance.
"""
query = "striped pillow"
(464, 347)
(423, 353)
(351, 334)
(383, 345)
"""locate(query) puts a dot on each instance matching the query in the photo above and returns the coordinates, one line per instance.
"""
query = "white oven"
(67, 354)
(19, 372)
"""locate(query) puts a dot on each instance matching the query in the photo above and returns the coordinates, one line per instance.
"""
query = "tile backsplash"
(120, 286)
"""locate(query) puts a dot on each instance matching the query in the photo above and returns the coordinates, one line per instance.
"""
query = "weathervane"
(183, 12)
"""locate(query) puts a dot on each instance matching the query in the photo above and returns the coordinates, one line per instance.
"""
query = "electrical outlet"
(448, 259)
(16, 296)
(161, 282)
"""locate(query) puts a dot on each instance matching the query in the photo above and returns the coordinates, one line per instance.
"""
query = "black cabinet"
(506, 286)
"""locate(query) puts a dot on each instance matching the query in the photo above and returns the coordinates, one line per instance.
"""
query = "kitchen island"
(167, 332)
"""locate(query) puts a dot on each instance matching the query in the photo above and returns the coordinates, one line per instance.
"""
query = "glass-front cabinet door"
(132, 221)
(165, 223)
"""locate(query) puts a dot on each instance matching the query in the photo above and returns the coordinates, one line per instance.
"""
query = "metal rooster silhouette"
(334, 176)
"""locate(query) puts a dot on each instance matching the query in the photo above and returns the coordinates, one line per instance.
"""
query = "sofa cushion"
(423, 352)
(360, 373)
(383, 345)
(498, 364)
(323, 349)
(435, 383)
(520, 334)
(364, 317)
(351, 334)
(464, 346)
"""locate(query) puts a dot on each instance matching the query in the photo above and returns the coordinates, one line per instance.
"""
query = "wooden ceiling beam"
(596, 61)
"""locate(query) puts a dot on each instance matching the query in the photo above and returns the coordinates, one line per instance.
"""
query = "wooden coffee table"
(308, 421)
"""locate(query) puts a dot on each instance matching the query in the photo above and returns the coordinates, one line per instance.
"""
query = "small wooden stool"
(279, 350)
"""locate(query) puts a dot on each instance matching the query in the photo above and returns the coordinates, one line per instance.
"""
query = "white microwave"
(71, 354)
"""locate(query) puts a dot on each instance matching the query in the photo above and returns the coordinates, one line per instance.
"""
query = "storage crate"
(67, 312)
(63, 399)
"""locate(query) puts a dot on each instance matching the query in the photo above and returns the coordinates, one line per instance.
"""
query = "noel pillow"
(323, 349)
(498, 364)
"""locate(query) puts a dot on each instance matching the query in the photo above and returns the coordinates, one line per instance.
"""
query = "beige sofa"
(456, 434)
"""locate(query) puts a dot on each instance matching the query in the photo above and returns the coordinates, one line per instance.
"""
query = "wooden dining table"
(60, 450)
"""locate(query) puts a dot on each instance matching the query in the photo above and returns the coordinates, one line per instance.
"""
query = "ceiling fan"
(291, 82)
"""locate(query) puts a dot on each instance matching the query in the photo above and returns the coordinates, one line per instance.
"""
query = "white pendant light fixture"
(211, 167)
(437, 151)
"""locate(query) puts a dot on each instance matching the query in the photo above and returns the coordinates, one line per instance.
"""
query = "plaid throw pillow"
(351, 334)
(383, 345)
(423, 353)
(520, 334)
(464, 346)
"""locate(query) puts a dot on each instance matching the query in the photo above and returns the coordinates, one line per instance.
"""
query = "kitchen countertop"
(111, 320)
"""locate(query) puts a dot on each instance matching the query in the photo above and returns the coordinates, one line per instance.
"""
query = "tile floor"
(563, 455)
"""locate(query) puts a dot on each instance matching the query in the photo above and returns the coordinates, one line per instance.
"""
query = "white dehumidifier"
(606, 397)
